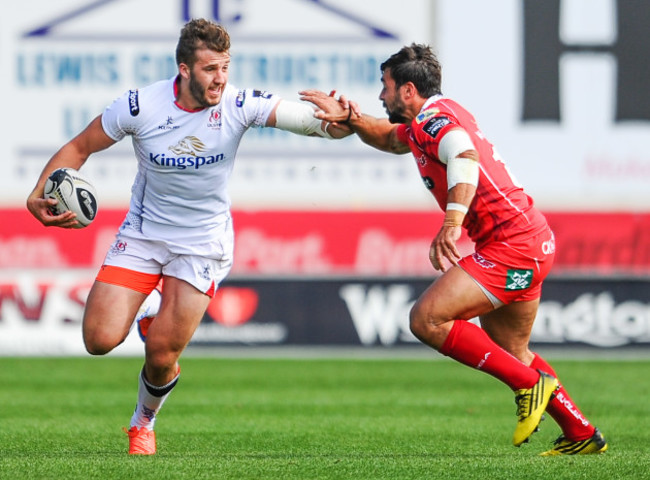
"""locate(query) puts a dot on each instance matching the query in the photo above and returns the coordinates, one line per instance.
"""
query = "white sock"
(150, 400)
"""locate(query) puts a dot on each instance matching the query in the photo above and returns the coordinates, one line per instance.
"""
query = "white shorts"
(129, 257)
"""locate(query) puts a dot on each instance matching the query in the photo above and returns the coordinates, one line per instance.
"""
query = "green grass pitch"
(310, 419)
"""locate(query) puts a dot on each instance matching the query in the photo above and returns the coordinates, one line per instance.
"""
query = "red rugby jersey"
(501, 208)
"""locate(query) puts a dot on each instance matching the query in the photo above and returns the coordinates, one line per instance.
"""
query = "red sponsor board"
(315, 243)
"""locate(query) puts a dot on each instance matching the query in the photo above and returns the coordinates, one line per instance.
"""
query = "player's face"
(208, 77)
(391, 98)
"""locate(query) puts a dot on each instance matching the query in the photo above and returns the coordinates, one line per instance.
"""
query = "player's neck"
(413, 108)
(183, 98)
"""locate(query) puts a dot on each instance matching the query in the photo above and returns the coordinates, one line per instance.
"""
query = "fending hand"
(330, 108)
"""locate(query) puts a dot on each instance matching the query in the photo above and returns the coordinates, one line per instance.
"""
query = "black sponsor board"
(347, 312)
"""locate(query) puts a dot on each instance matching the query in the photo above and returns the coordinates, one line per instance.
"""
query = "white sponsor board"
(64, 61)
(590, 153)
(573, 131)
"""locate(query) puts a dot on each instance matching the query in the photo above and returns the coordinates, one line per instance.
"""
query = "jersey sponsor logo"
(189, 150)
(241, 98)
(190, 145)
(181, 163)
(518, 279)
(168, 125)
(428, 182)
(434, 125)
(262, 94)
(134, 104)
(214, 121)
(421, 117)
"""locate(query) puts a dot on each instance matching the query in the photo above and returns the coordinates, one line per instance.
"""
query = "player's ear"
(184, 70)
(409, 90)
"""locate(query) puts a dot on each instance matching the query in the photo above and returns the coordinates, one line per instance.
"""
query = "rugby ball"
(74, 193)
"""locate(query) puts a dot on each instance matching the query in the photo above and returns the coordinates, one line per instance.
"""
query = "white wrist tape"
(298, 118)
(458, 207)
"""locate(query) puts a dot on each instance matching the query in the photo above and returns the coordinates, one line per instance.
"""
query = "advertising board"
(41, 315)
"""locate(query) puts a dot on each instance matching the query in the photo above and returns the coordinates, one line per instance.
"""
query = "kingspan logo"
(190, 145)
(189, 151)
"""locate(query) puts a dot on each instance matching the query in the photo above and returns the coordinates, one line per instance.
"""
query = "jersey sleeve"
(429, 132)
(256, 105)
(120, 117)
(403, 133)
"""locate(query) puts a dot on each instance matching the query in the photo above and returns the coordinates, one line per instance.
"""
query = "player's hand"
(41, 208)
(444, 247)
(330, 108)
(355, 110)
(354, 106)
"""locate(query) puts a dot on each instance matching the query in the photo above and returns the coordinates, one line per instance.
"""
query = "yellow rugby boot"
(563, 446)
(531, 403)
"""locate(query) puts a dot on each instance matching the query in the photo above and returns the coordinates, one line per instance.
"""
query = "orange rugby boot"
(142, 441)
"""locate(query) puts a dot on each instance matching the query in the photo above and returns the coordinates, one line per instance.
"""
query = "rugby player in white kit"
(185, 133)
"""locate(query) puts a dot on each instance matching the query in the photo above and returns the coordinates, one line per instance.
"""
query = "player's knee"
(419, 320)
(425, 323)
(98, 345)
(100, 341)
(162, 357)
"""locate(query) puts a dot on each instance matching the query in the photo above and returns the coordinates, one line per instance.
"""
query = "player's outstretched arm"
(376, 132)
(299, 118)
(73, 155)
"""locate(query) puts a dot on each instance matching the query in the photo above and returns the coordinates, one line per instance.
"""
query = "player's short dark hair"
(200, 33)
(417, 64)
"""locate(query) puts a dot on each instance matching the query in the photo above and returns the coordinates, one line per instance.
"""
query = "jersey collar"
(430, 101)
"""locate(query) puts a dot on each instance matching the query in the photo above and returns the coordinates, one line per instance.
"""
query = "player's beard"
(396, 113)
(394, 117)
(198, 92)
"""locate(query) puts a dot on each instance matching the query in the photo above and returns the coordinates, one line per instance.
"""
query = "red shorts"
(513, 271)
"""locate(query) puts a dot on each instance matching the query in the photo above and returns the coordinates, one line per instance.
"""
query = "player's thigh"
(109, 313)
(510, 326)
(181, 311)
(453, 296)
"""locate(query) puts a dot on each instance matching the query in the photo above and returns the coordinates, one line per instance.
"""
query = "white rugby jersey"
(185, 158)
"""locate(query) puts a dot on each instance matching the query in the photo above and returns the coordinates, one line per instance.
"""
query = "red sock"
(470, 345)
(573, 423)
